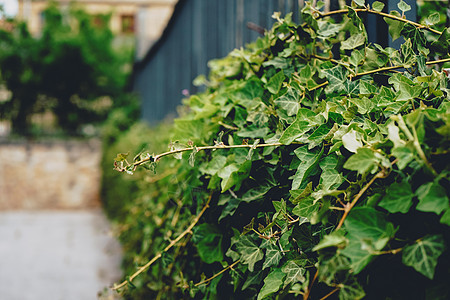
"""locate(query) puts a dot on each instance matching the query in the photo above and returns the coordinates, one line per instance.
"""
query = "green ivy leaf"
(406, 88)
(272, 283)
(273, 257)
(297, 195)
(351, 290)
(300, 126)
(234, 175)
(253, 279)
(334, 239)
(121, 157)
(404, 155)
(306, 208)
(250, 252)
(423, 254)
(275, 82)
(257, 192)
(214, 165)
(251, 90)
(354, 41)
(308, 161)
(445, 219)
(363, 161)
(360, 2)
(331, 267)
(403, 6)
(253, 132)
(369, 224)
(327, 29)
(432, 198)
(443, 42)
(337, 77)
(358, 255)
(367, 88)
(331, 179)
(208, 241)
(295, 272)
(433, 19)
(231, 205)
(378, 6)
(395, 27)
(398, 197)
(364, 104)
(290, 102)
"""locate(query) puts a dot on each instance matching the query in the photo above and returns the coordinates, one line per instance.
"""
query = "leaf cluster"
(71, 69)
(349, 195)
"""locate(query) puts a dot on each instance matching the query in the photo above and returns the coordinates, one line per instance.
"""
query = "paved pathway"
(56, 255)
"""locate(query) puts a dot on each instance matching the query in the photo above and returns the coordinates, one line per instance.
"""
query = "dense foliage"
(71, 69)
(314, 164)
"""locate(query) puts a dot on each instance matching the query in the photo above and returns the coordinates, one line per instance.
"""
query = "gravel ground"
(56, 255)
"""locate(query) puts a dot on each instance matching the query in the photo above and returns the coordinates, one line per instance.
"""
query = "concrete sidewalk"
(56, 255)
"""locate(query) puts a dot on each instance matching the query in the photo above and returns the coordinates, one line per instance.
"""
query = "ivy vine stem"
(415, 140)
(329, 294)
(167, 248)
(217, 274)
(308, 291)
(371, 11)
(384, 69)
(194, 148)
(348, 207)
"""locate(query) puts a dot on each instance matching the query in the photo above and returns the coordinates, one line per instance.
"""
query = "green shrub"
(316, 164)
(72, 70)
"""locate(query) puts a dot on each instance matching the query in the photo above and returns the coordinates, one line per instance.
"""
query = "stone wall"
(50, 174)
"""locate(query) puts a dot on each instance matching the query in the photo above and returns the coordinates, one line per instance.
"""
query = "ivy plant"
(314, 164)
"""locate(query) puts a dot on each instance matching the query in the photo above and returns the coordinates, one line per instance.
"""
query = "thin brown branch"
(371, 11)
(219, 146)
(415, 140)
(228, 126)
(348, 207)
(384, 69)
(318, 86)
(307, 292)
(329, 294)
(437, 61)
(215, 275)
(172, 243)
(393, 251)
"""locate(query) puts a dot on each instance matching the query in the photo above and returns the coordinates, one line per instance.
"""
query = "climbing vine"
(315, 164)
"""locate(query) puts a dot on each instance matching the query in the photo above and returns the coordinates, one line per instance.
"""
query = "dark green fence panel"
(199, 30)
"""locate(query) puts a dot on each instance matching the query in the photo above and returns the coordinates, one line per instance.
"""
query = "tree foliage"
(322, 160)
(71, 69)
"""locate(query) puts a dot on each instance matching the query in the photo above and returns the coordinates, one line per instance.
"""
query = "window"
(127, 23)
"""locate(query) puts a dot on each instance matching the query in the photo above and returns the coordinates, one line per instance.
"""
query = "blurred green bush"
(72, 70)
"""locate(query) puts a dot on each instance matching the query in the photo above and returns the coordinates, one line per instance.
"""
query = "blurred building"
(140, 20)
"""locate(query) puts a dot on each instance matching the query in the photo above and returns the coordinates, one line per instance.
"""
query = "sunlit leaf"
(378, 6)
(354, 41)
(363, 161)
(275, 82)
